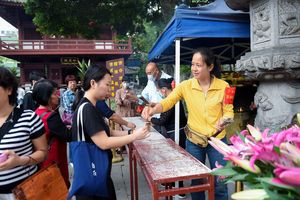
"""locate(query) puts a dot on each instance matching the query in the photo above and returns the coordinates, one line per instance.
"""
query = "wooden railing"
(66, 44)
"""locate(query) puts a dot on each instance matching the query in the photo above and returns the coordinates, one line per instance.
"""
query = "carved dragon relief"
(262, 102)
(289, 17)
(261, 24)
(262, 120)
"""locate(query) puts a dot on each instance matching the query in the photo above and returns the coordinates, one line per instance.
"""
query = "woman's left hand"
(220, 125)
(12, 161)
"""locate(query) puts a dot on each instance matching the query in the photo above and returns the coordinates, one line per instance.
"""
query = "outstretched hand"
(142, 132)
(222, 123)
(147, 112)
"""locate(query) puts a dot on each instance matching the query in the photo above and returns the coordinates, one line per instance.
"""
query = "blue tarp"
(214, 25)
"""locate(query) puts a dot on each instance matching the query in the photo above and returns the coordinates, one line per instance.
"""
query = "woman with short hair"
(45, 93)
(22, 140)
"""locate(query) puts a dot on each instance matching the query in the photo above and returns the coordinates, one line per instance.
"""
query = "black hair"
(9, 81)
(70, 78)
(43, 90)
(165, 82)
(209, 58)
(94, 72)
(35, 76)
(78, 96)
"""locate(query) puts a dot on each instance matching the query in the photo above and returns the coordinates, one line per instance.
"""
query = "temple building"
(55, 57)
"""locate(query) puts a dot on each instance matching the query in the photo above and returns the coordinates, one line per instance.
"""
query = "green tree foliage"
(86, 17)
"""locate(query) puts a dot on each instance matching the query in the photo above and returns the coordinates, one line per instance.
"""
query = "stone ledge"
(270, 64)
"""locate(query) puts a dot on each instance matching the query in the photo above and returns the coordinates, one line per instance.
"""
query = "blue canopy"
(215, 25)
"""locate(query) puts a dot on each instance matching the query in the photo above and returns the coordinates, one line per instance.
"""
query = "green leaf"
(239, 177)
(82, 67)
(243, 138)
(223, 172)
(270, 182)
(277, 149)
(276, 193)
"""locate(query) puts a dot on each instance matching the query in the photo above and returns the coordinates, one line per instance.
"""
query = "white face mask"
(151, 77)
(124, 85)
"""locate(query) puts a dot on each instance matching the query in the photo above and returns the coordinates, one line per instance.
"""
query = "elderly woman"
(97, 84)
(125, 100)
(23, 143)
(46, 95)
(68, 98)
(204, 95)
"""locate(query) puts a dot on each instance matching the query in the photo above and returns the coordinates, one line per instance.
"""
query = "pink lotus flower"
(254, 132)
(230, 154)
(291, 152)
(245, 164)
(288, 175)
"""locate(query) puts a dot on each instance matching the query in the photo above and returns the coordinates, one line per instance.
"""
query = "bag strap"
(51, 138)
(80, 123)
(12, 118)
(43, 114)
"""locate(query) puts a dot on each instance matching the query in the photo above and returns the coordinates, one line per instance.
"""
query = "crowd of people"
(51, 118)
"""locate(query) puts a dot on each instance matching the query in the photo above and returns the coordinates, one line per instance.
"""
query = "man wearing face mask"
(150, 92)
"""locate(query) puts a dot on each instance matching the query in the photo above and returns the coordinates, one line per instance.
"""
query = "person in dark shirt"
(28, 102)
(167, 119)
(111, 115)
(104, 109)
(96, 85)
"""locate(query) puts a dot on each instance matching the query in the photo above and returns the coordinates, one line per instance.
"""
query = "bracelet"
(27, 163)
(129, 131)
(31, 158)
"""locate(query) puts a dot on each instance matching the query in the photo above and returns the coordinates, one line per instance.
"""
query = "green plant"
(14, 70)
(82, 67)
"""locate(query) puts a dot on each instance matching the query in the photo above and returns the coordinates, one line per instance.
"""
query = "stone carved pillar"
(274, 59)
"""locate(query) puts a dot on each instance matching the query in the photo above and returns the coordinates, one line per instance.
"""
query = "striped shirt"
(29, 126)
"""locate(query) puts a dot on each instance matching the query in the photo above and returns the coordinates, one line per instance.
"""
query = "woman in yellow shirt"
(204, 97)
